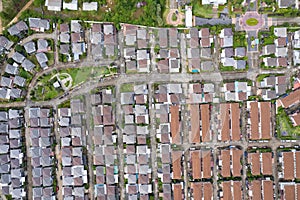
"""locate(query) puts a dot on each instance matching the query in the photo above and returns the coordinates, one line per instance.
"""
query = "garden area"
(239, 39)
(45, 89)
(147, 13)
(11, 9)
(251, 22)
(199, 10)
(285, 128)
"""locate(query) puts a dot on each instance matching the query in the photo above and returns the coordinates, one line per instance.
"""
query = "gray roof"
(42, 59)
(206, 52)
(64, 49)
(5, 81)
(18, 28)
(4, 169)
(11, 69)
(241, 64)
(20, 81)
(42, 45)
(75, 26)
(19, 58)
(64, 37)
(78, 48)
(287, 3)
(14, 113)
(37, 192)
(15, 92)
(240, 51)
(27, 65)
(108, 29)
(3, 116)
(30, 47)
(5, 43)
(127, 98)
(110, 50)
(204, 21)
(3, 139)
(5, 179)
(4, 93)
(207, 66)
(39, 23)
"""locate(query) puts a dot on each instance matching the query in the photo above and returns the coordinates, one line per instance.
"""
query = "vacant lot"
(45, 90)
(285, 129)
(10, 9)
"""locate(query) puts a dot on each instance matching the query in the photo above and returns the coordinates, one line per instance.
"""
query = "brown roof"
(289, 192)
(288, 162)
(256, 189)
(298, 191)
(254, 135)
(296, 118)
(205, 42)
(267, 163)
(282, 61)
(197, 88)
(204, 32)
(265, 110)
(176, 164)
(197, 190)
(205, 114)
(281, 41)
(230, 87)
(195, 124)
(225, 156)
(206, 165)
(226, 186)
(268, 190)
(207, 190)
(236, 162)
(235, 122)
(292, 98)
(174, 110)
(177, 191)
(297, 157)
(255, 163)
(237, 192)
(196, 164)
(225, 122)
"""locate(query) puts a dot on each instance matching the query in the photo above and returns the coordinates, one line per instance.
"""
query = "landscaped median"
(49, 86)
(251, 22)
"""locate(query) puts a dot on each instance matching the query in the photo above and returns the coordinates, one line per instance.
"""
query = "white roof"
(86, 6)
(188, 16)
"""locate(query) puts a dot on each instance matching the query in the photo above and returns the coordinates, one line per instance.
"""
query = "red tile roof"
(235, 122)
(265, 108)
(254, 135)
(195, 124)
(175, 133)
(236, 162)
(177, 193)
(267, 163)
(288, 162)
(196, 164)
(176, 164)
(225, 156)
(255, 163)
(268, 193)
(205, 119)
(292, 98)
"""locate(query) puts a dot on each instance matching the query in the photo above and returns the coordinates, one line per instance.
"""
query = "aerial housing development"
(165, 100)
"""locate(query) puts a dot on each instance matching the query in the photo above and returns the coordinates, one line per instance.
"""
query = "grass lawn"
(126, 88)
(227, 68)
(268, 40)
(46, 91)
(11, 9)
(261, 77)
(239, 39)
(199, 10)
(251, 22)
(285, 128)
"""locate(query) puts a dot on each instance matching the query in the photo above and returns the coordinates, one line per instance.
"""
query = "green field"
(239, 39)
(284, 125)
(11, 9)
(199, 10)
(45, 90)
(126, 87)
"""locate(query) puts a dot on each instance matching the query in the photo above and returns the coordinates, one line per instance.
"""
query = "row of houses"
(168, 56)
(12, 165)
(136, 48)
(57, 5)
(276, 55)
(105, 140)
(73, 142)
(74, 36)
(136, 140)
(199, 53)
(42, 152)
(272, 87)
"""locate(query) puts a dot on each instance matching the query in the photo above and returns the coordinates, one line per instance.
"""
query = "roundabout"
(252, 21)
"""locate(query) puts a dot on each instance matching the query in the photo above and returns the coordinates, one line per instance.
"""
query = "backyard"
(285, 128)
(199, 10)
(45, 90)
(239, 39)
